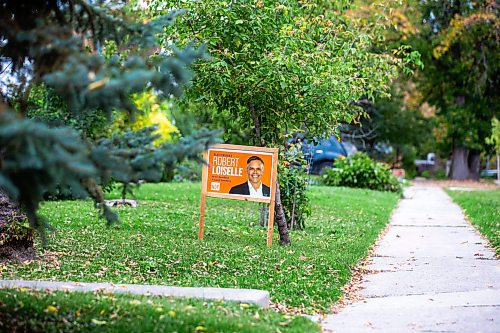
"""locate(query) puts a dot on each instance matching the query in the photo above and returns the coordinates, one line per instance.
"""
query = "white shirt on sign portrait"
(255, 193)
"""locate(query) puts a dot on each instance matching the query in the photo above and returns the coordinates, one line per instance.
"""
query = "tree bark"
(256, 124)
(464, 164)
(292, 219)
(264, 215)
(279, 216)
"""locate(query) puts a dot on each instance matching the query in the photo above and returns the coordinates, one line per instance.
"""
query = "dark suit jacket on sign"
(244, 190)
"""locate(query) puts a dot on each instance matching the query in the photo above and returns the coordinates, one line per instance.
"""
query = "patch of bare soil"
(481, 184)
(16, 241)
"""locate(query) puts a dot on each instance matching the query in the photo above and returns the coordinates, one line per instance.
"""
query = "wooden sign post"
(241, 173)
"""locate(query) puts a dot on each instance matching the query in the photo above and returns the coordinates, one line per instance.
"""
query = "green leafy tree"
(282, 67)
(45, 105)
(55, 43)
(400, 121)
(279, 67)
(460, 47)
(458, 41)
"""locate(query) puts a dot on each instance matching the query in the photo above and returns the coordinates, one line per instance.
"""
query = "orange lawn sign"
(226, 176)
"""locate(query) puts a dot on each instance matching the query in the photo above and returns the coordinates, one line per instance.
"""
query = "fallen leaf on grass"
(51, 309)
(98, 322)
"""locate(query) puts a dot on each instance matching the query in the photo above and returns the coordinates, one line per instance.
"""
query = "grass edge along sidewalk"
(156, 244)
(482, 208)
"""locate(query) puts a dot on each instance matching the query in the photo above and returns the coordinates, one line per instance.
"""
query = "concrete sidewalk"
(434, 274)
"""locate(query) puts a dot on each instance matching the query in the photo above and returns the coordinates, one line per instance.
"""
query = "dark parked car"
(324, 154)
(489, 173)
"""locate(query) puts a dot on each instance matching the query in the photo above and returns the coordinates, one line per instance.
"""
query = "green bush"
(293, 180)
(46, 106)
(426, 174)
(362, 172)
(440, 175)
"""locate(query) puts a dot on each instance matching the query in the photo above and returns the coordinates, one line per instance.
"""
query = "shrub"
(426, 174)
(293, 181)
(360, 171)
(46, 106)
(440, 175)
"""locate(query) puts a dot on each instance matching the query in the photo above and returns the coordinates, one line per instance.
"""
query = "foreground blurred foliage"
(59, 93)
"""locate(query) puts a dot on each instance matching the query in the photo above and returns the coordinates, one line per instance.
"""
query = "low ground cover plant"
(362, 172)
(24, 310)
(156, 243)
(483, 210)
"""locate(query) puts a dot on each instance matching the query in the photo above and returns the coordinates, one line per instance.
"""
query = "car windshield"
(330, 143)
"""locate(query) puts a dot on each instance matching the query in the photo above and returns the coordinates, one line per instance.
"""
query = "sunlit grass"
(156, 243)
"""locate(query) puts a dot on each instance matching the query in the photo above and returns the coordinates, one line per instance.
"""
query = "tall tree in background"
(460, 44)
(55, 43)
(400, 121)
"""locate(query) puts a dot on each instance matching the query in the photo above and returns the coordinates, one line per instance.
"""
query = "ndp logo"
(214, 186)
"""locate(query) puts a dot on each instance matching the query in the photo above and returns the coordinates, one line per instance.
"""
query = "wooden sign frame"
(270, 154)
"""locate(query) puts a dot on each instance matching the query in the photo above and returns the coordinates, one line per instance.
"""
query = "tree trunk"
(465, 164)
(256, 124)
(292, 219)
(279, 217)
(279, 214)
(264, 214)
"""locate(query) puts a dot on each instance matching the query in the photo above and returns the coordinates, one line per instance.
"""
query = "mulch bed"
(16, 240)
(481, 184)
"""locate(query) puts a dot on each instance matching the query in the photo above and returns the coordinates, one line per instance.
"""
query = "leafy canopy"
(460, 45)
(279, 67)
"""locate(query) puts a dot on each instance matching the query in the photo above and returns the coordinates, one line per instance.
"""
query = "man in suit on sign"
(253, 187)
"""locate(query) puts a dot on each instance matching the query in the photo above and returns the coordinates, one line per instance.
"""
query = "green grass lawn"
(28, 311)
(156, 243)
(483, 210)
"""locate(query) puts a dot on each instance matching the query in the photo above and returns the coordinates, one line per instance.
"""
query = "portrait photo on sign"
(242, 174)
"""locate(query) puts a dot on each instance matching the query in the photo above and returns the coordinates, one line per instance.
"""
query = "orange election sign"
(239, 172)
(228, 173)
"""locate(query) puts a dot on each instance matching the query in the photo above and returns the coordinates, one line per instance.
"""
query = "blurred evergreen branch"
(57, 43)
